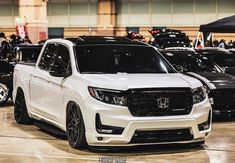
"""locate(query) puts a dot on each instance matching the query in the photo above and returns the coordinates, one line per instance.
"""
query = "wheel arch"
(82, 111)
(16, 91)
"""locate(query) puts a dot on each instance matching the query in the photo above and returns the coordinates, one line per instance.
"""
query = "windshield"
(194, 64)
(120, 59)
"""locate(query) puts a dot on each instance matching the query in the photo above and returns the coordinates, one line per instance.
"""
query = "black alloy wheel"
(75, 128)
(20, 109)
(4, 94)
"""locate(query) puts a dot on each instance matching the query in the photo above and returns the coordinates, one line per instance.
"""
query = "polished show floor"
(28, 144)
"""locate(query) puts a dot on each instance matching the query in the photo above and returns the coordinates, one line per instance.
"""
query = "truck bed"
(28, 63)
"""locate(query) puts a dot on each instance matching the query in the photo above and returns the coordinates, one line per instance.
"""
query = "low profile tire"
(20, 109)
(75, 128)
(4, 94)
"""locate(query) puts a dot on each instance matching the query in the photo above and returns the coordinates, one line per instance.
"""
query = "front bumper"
(120, 116)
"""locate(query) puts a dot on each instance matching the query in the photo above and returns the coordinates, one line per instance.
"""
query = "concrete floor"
(28, 144)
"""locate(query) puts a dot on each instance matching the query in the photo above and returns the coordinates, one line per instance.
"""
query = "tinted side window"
(48, 57)
(62, 61)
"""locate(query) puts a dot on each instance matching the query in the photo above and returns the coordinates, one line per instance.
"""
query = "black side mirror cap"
(56, 74)
(59, 74)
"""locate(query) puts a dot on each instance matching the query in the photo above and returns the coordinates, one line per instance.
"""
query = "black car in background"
(6, 81)
(164, 38)
(19, 53)
(27, 53)
(134, 36)
(220, 86)
(224, 58)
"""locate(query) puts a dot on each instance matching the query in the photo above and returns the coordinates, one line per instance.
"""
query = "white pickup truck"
(110, 91)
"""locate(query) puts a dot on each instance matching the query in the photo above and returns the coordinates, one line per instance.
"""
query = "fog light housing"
(105, 129)
(100, 138)
(205, 125)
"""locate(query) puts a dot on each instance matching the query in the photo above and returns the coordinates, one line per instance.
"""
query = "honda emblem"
(163, 103)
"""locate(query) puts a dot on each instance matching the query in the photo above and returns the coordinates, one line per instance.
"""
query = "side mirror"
(59, 73)
(56, 74)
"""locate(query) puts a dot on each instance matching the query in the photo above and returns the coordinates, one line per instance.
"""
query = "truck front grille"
(145, 102)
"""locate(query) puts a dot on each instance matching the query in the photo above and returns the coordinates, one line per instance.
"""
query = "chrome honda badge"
(163, 103)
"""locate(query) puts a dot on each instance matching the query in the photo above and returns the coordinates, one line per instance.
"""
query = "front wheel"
(4, 94)
(20, 109)
(75, 128)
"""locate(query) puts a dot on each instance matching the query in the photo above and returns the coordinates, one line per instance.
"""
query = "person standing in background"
(2, 38)
(215, 43)
(222, 44)
(27, 40)
(230, 44)
(6, 49)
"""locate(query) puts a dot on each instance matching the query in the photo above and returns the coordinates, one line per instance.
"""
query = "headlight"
(199, 94)
(108, 96)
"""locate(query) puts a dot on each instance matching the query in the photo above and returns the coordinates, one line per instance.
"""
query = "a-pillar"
(107, 17)
(35, 13)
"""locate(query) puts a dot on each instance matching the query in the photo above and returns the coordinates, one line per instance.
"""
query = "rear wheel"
(20, 109)
(4, 94)
(75, 128)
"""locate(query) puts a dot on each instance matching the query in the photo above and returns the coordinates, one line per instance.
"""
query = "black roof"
(85, 40)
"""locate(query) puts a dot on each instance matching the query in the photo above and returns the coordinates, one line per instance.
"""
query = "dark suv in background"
(222, 57)
(6, 81)
(220, 85)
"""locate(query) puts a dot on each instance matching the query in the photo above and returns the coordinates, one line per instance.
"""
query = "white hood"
(128, 81)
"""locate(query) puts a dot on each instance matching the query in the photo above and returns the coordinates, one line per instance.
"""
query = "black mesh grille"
(224, 99)
(161, 136)
(145, 102)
